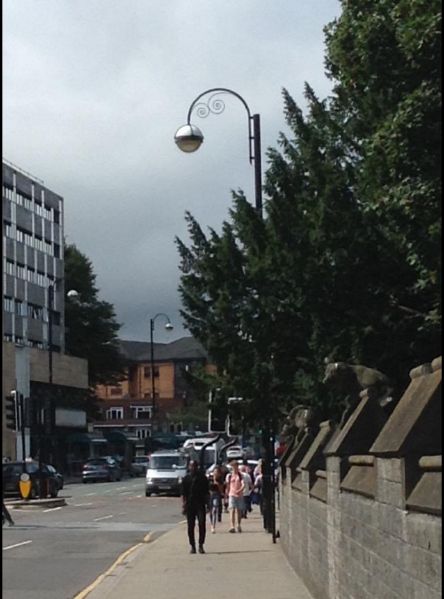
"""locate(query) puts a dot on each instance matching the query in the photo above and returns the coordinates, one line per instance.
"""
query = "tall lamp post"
(189, 138)
(168, 327)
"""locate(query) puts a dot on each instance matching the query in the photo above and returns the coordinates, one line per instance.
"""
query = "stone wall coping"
(427, 368)
(431, 462)
(361, 460)
(413, 424)
(321, 473)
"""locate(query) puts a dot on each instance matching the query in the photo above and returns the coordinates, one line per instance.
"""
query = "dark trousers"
(6, 514)
(198, 512)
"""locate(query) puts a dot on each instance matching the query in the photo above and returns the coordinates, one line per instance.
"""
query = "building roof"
(185, 348)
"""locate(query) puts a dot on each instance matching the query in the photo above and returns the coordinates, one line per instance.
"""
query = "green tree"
(345, 264)
(91, 327)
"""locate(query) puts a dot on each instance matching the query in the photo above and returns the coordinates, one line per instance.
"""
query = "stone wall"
(361, 508)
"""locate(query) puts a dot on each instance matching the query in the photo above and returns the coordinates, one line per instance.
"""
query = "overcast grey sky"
(93, 92)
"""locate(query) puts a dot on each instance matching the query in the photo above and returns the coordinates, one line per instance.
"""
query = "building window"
(141, 412)
(8, 192)
(7, 337)
(56, 250)
(20, 309)
(10, 268)
(8, 304)
(30, 274)
(8, 230)
(147, 372)
(35, 312)
(56, 217)
(21, 272)
(19, 235)
(142, 433)
(114, 414)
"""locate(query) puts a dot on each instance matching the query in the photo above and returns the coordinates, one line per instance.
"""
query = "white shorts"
(236, 503)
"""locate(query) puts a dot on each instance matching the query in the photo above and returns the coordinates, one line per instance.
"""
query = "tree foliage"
(91, 327)
(346, 262)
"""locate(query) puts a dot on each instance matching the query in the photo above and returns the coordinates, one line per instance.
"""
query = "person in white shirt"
(248, 487)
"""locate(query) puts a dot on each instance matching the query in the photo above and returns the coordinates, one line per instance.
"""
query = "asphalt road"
(55, 553)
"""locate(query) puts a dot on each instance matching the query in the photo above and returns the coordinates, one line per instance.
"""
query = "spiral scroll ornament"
(214, 105)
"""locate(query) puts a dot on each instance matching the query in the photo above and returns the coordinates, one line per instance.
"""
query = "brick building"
(128, 407)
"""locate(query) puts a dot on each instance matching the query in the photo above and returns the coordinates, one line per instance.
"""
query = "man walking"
(235, 490)
(195, 495)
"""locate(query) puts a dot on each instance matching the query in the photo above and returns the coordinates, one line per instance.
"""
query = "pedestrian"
(248, 487)
(195, 497)
(257, 490)
(219, 480)
(235, 492)
(6, 515)
(215, 503)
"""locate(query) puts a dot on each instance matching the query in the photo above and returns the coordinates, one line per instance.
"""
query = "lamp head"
(73, 294)
(188, 138)
(169, 326)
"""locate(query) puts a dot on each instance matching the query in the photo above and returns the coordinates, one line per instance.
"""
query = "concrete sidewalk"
(234, 566)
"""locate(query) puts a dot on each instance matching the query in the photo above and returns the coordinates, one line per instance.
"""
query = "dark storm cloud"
(93, 93)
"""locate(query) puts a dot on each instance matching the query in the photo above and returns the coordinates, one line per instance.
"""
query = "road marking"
(125, 493)
(52, 509)
(103, 518)
(16, 545)
(81, 504)
(89, 494)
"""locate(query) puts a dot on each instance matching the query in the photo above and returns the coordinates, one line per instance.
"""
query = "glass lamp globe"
(188, 138)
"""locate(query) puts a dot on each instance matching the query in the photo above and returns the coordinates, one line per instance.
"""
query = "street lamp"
(189, 138)
(168, 327)
(47, 423)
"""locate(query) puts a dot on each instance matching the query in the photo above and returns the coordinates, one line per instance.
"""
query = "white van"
(193, 447)
(165, 472)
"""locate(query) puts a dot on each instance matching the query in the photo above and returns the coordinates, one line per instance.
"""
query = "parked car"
(165, 472)
(11, 479)
(105, 468)
(139, 465)
(59, 477)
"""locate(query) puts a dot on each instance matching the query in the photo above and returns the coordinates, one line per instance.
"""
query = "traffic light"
(11, 411)
(217, 419)
(217, 413)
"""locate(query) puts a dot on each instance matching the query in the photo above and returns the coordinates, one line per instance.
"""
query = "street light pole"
(189, 138)
(168, 327)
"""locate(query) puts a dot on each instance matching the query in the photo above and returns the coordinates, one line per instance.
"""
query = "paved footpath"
(234, 566)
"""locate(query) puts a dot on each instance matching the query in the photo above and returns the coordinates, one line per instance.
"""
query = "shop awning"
(119, 437)
(85, 438)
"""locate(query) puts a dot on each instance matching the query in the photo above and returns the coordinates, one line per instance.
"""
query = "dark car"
(11, 479)
(139, 465)
(105, 468)
(59, 477)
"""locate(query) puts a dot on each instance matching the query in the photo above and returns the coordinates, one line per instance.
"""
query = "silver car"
(105, 468)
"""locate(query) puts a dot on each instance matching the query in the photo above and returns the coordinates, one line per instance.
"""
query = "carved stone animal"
(298, 420)
(351, 379)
